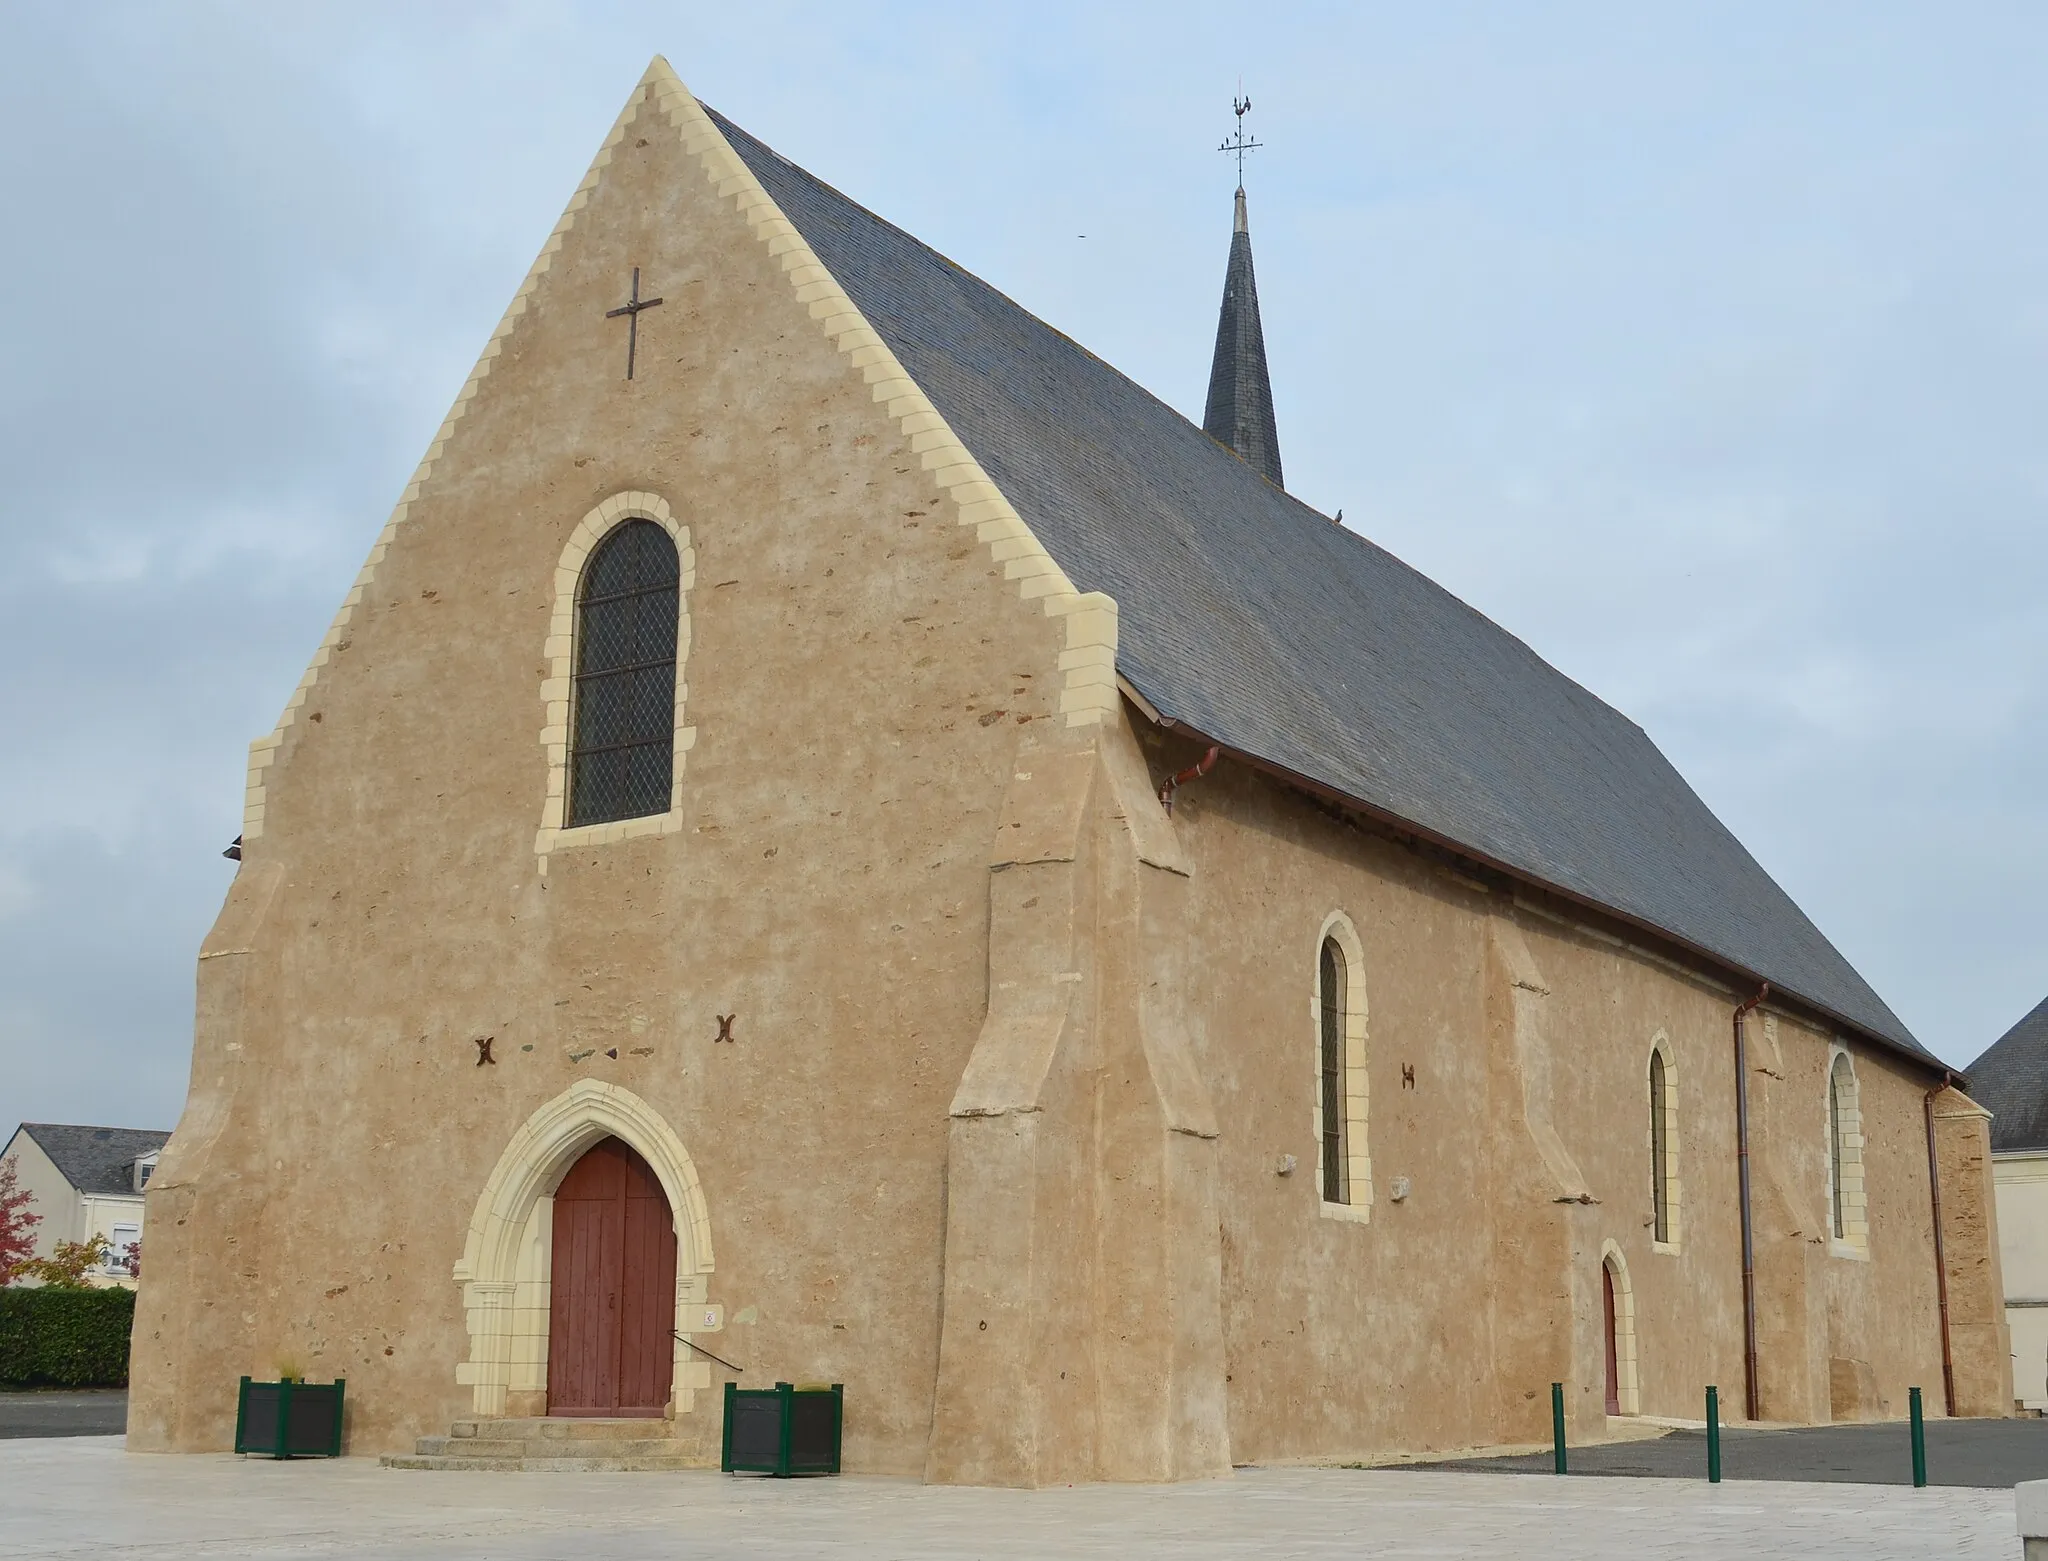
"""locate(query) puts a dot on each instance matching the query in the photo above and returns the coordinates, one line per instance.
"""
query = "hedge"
(65, 1338)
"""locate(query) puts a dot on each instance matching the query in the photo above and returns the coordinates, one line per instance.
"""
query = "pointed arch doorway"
(1613, 1342)
(612, 1291)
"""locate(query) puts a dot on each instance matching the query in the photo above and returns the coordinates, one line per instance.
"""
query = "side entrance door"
(613, 1297)
(1613, 1354)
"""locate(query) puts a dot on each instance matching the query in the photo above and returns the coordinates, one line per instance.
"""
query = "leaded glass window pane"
(1336, 1188)
(622, 757)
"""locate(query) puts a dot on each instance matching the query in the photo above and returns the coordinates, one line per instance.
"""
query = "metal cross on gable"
(631, 310)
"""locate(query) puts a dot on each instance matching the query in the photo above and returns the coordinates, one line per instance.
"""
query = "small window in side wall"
(623, 711)
(1336, 1177)
(1660, 1148)
(1343, 1165)
(1848, 1215)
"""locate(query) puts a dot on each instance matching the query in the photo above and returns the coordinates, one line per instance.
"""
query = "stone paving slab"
(70, 1500)
(86, 1412)
(1989, 1454)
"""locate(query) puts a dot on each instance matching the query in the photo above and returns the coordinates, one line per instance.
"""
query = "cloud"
(1703, 352)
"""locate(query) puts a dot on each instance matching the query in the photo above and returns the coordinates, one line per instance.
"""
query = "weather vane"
(1239, 143)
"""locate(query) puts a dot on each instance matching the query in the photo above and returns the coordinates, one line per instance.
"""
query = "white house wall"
(2022, 1183)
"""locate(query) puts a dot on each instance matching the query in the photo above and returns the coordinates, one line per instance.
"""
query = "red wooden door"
(1613, 1359)
(613, 1298)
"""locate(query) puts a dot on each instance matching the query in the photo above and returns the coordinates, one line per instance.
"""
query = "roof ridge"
(1345, 667)
(1357, 537)
(979, 280)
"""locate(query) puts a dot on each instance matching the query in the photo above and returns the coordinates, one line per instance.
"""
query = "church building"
(836, 838)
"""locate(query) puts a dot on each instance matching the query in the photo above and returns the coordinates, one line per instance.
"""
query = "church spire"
(1240, 409)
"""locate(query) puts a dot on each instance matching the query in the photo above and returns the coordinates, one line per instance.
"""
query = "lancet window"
(1847, 1213)
(1336, 1172)
(1663, 1149)
(1343, 1168)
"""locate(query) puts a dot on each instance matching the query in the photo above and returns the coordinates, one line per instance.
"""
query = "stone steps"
(559, 1446)
(538, 1428)
(597, 1464)
(544, 1447)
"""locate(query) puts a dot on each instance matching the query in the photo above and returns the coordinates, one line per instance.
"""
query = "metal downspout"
(1948, 1367)
(1193, 772)
(1751, 1402)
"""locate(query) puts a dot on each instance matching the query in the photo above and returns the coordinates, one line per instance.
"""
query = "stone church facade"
(1025, 919)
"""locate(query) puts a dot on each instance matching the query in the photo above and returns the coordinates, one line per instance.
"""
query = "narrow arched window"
(1336, 1166)
(1660, 1148)
(1846, 1212)
(1835, 1087)
(622, 758)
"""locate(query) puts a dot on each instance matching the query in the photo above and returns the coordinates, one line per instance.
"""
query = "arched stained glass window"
(623, 711)
(1336, 1166)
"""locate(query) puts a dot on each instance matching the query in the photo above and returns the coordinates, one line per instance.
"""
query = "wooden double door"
(612, 1307)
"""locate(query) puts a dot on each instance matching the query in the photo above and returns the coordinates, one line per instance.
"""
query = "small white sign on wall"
(707, 1319)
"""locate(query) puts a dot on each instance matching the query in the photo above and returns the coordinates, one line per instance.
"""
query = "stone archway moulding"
(504, 1270)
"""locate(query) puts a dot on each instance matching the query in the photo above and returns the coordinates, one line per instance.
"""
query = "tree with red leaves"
(17, 1223)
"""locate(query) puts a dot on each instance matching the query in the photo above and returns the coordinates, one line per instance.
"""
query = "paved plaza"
(1993, 1454)
(88, 1499)
(87, 1412)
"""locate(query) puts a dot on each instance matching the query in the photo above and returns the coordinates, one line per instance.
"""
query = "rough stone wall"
(1524, 1140)
(860, 671)
(1980, 1338)
(1082, 1332)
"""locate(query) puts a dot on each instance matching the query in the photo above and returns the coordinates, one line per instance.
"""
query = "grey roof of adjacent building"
(1239, 413)
(2011, 1082)
(1255, 621)
(97, 1160)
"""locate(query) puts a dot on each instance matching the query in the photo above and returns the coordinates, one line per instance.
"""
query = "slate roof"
(2011, 1082)
(95, 1160)
(1254, 620)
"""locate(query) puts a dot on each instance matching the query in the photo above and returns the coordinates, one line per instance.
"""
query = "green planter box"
(289, 1419)
(783, 1430)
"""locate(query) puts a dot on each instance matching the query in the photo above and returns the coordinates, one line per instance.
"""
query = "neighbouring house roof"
(2011, 1082)
(96, 1160)
(1253, 620)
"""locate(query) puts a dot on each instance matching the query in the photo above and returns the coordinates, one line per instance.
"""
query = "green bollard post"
(1557, 1424)
(1713, 1436)
(1919, 1438)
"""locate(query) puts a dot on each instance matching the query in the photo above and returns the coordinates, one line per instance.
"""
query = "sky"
(1700, 346)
